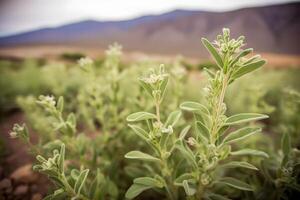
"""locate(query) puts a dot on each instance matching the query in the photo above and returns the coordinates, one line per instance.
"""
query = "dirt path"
(17, 180)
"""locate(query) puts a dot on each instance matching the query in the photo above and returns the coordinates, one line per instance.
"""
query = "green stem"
(218, 110)
(157, 111)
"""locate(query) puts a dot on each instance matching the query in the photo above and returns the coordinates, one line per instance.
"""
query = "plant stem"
(218, 109)
(157, 111)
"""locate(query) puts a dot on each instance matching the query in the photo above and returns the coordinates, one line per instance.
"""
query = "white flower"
(85, 61)
(191, 141)
(13, 134)
(49, 100)
(168, 130)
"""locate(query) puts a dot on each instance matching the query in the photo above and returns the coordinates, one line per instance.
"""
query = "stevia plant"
(208, 152)
(160, 137)
(209, 149)
(68, 173)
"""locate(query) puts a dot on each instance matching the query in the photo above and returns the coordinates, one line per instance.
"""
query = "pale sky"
(24, 15)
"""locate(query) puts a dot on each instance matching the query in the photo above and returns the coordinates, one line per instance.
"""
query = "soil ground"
(17, 180)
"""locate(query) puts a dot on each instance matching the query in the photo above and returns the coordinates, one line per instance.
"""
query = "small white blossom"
(168, 130)
(191, 141)
(49, 100)
(13, 134)
(85, 61)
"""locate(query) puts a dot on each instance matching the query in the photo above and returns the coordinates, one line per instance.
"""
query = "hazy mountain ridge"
(274, 29)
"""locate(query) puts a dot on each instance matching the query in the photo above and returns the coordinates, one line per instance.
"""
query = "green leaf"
(60, 104)
(139, 116)
(173, 118)
(141, 156)
(186, 176)
(186, 153)
(184, 132)
(194, 107)
(249, 152)
(252, 59)
(146, 87)
(135, 190)
(240, 55)
(240, 134)
(213, 51)
(244, 117)
(139, 131)
(190, 191)
(81, 180)
(148, 181)
(203, 131)
(163, 87)
(286, 144)
(235, 183)
(245, 69)
(234, 164)
(61, 159)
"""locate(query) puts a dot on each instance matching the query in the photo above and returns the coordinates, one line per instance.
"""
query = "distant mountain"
(274, 29)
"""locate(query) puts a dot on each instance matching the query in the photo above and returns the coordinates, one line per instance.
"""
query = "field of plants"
(103, 129)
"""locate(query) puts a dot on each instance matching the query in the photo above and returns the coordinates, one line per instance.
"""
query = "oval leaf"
(135, 190)
(163, 86)
(148, 181)
(235, 183)
(146, 87)
(235, 164)
(139, 116)
(244, 117)
(245, 69)
(139, 131)
(140, 156)
(184, 132)
(249, 152)
(213, 51)
(61, 160)
(194, 107)
(241, 54)
(240, 134)
(186, 153)
(203, 131)
(173, 118)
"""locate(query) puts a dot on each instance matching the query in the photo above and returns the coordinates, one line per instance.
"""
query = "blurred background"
(35, 28)
(41, 42)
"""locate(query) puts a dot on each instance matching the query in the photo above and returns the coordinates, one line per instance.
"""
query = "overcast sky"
(24, 15)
